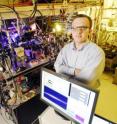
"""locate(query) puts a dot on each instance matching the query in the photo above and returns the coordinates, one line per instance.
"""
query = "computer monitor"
(69, 97)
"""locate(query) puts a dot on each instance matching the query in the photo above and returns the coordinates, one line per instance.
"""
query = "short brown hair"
(82, 15)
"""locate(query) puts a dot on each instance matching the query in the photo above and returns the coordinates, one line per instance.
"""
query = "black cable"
(13, 3)
(10, 8)
(39, 12)
(34, 10)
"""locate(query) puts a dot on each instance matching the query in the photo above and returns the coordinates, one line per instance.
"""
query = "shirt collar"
(83, 46)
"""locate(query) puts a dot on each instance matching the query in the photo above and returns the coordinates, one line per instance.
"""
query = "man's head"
(81, 27)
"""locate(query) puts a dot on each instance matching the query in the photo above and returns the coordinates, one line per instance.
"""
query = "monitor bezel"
(74, 81)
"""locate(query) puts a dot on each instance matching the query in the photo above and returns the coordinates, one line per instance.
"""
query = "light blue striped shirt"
(90, 59)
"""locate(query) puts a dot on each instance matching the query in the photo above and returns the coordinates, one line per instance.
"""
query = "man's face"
(80, 30)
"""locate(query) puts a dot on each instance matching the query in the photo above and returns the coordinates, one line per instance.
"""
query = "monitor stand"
(61, 116)
(49, 116)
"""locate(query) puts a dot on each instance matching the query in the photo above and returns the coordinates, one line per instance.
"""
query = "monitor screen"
(69, 97)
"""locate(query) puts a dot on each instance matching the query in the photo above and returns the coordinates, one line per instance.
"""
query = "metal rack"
(14, 110)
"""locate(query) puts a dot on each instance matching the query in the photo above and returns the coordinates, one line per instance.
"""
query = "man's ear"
(90, 33)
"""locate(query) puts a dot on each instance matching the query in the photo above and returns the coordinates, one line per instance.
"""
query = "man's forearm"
(64, 69)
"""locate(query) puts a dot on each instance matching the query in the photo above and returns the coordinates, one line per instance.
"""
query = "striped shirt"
(90, 59)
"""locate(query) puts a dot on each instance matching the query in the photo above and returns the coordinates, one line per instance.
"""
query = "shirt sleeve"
(61, 65)
(93, 68)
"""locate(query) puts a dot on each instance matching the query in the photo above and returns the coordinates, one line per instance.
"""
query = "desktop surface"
(51, 117)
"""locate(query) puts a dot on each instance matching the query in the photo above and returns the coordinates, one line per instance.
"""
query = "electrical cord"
(34, 11)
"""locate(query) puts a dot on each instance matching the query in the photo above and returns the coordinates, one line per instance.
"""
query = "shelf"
(29, 70)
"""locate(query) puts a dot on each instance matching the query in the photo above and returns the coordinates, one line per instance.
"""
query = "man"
(81, 58)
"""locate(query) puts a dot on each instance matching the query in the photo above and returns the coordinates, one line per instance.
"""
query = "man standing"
(81, 58)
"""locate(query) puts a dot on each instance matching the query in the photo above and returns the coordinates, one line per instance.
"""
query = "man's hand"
(77, 71)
